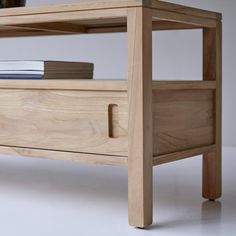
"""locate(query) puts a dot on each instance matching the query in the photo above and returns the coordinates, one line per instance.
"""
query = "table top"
(107, 4)
(88, 17)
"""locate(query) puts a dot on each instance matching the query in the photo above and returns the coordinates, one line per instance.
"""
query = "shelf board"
(55, 84)
(101, 85)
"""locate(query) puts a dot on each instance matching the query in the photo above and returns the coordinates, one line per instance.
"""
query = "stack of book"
(45, 70)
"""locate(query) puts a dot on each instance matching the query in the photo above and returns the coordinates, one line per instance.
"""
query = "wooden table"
(136, 122)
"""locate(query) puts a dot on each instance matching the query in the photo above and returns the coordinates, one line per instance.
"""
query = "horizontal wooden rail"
(157, 26)
(64, 155)
(183, 85)
(185, 10)
(54, 27)
(106, 17)
(22, 31)
(158, 160)
(100, 159)
(183, 18)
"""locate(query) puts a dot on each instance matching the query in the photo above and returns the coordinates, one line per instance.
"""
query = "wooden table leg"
(140, 117)
(212, 70)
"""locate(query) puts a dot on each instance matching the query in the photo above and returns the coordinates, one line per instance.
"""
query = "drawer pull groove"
(113, 121)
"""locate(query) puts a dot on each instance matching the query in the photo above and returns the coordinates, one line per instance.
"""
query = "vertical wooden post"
(140, 117)
(212, 70)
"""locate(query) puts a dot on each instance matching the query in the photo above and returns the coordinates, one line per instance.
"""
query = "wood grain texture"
(102, 16)
(185, 10)
(156, 26)
(9, 32)
(183, 18)
(182, 120)
(65, 156)
(140, 117)
(57, 27)
(183, 85)
(212, 70)
(98, 17)
(100, 159)
(175, 156)
(105, 4)
(83, 27)
(63, 120)
(81, 85)
(170, 104)
(102, 85)
(171, 25)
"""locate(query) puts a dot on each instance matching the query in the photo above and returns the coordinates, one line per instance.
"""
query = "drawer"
(96, 120)
(68, 120)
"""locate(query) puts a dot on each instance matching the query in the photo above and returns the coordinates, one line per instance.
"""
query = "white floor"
(47, 198)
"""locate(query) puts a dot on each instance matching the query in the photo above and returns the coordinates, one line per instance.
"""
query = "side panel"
(182, 119)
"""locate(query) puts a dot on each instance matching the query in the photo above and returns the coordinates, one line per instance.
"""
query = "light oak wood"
(98, 17)
(183, 18)
(65, 156)
(183, 85)
(171, 25)
(212, 70)
(102, 104)
(100, 159)
(63, 120)
(83, 27)
(47, 29)
(180, 155)
(140, 117)
(185, 10)
(156, 25)
(102, 85)
(57, 27)
(82, 85)
(105, 4)
(9, 32)
(182, 120)
(101, 16)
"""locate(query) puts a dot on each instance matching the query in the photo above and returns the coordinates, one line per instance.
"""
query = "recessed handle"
(113, 120)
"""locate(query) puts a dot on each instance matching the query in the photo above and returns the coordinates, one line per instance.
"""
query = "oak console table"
(136, 122)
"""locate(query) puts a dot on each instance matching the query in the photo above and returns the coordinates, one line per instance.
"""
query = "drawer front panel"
(76, 121)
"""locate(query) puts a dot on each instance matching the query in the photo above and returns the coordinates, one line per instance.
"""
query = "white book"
(21, 65)
(45, 65)
(21, 72)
